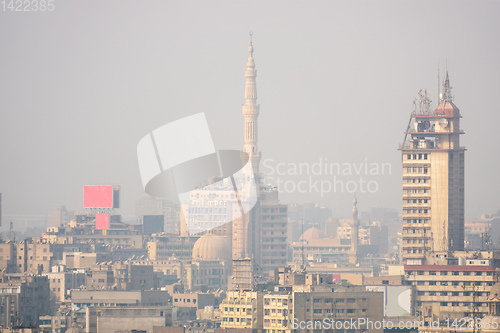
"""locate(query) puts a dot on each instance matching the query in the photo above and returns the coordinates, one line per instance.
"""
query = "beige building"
(32, 255)
(57, 323)
(77, 260)
(325, 250)
(164, 247)
(59, 216)
(343, 305)
(112, 298)
(274, 223)
(242, 309)
(8, 262)
(278, 311)
(62, 281)
(112, 238)
(130, 319)
(433, 179)
(452, 291)
(300, 300)
(173, 269)
(305, 305)
(193, 300)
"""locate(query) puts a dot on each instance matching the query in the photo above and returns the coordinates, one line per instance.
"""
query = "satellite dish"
(443, 122)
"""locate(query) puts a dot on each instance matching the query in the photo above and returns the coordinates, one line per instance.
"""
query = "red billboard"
(102, 221)
(100, 196)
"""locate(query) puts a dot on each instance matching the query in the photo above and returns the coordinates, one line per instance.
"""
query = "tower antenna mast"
(302, 249)
(439, 84)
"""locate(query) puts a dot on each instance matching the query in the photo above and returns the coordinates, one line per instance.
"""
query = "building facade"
(23, 299)
(433, 179)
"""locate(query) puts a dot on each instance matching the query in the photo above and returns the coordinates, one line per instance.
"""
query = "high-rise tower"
(251, 112)
(433, 179)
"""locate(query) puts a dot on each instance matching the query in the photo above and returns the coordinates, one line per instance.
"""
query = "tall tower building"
(433, 179)
(246, 229)
(261, 233)
(251, 112)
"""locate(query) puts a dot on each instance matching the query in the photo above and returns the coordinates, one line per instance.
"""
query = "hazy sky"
(80, 86)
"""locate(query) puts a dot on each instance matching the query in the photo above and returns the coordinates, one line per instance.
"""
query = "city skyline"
(343, 95)
(341, 192)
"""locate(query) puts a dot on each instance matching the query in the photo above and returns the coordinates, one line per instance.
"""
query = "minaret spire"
(355, 225)
(353, 257)
(251, 111)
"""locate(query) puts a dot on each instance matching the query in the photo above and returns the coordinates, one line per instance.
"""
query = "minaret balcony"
(251, 110)
(433, 116)
(425, 133)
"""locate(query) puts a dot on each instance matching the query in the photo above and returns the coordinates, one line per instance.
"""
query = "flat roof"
(448, 268)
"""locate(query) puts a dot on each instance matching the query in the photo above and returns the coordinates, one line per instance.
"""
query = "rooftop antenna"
(444, 233)
(302, 248)
(439, 84)
(251, 34)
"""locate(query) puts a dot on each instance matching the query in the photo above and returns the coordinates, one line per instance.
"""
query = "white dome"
(211, 247)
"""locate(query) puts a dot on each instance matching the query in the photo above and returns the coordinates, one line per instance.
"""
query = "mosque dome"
(211, 247)
(312, 233)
